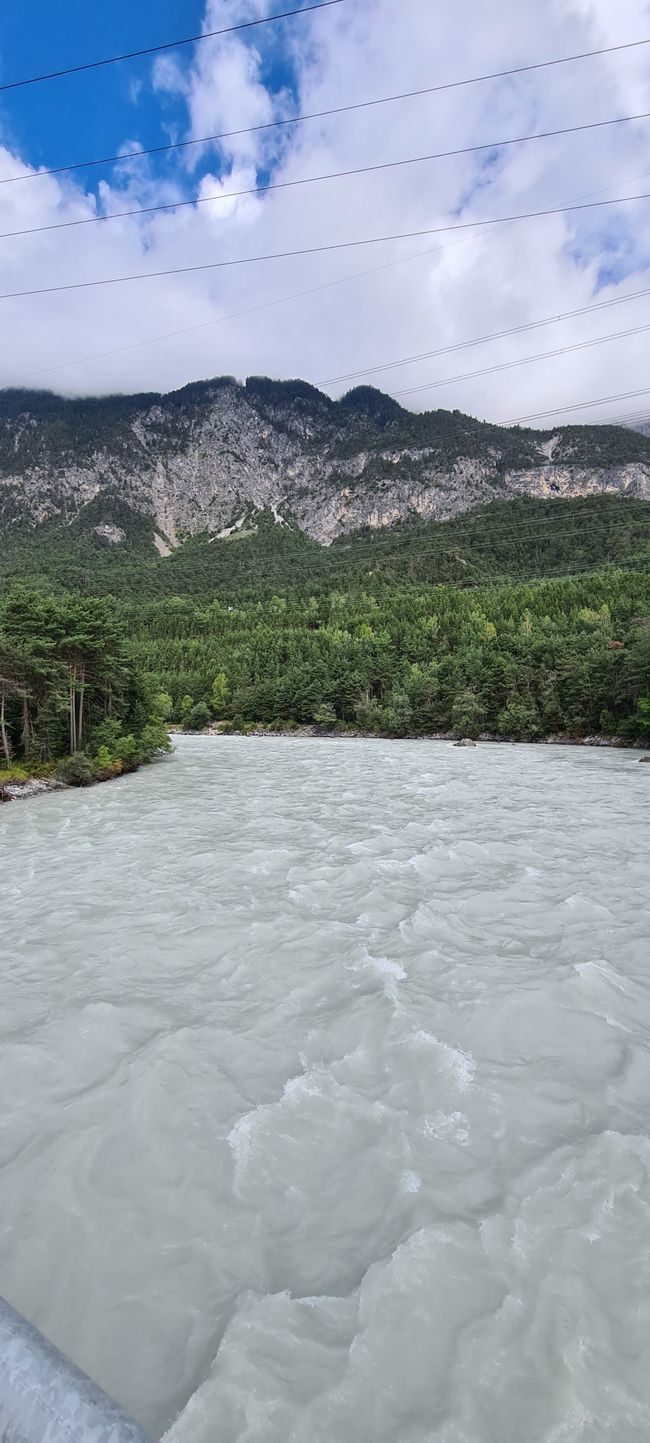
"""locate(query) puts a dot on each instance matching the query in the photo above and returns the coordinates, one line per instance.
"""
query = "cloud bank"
(332, 314)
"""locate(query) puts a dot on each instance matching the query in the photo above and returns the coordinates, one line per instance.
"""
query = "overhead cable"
(483, 340)
(225, 195)
(313, 115)
(522, 361)
(577, 406)
(170, 45)
(319, 249)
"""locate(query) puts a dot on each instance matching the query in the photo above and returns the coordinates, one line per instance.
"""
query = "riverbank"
(22, 788)
(73, 773)
(341, 733)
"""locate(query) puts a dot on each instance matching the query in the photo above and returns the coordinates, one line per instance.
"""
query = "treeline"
(403, 658)
(70, 691)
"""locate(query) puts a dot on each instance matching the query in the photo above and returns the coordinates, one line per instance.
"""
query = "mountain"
(209, 457)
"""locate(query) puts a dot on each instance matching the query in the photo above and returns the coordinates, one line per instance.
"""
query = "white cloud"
(465, 285)
(168, 75)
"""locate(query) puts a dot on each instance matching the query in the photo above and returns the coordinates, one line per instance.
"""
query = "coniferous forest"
(522, 621)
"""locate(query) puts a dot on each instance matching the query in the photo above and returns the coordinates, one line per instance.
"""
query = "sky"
(345, 313)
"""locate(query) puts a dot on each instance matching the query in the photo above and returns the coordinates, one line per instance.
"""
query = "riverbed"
(325, 1080)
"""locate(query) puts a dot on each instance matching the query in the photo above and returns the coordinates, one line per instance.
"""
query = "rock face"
(199, 458)
(113, 534)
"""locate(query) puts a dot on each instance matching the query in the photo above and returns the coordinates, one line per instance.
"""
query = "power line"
(319, 250)
(542, 530)
(483, 340)
(521, 361)
(518, 577)
(513, 574)
(632, 420)
(197, 200)
(315, 290)
(314, 115)
(174, 45)
(578, 406)
(218, 320)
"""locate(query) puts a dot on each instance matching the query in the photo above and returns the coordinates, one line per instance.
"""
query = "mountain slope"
(197, 460)
(518, 539)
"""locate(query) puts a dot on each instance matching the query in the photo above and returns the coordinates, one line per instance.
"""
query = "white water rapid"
(325, 1090)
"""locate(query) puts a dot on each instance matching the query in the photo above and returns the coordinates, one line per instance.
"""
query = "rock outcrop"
(200, 458)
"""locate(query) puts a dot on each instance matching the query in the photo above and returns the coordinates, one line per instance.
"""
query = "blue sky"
(94, 113)
(44, 120)
(336, 313)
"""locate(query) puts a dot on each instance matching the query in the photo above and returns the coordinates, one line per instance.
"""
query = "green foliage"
(398, 715)
(325, 716)
(76, 771)
(398, 657)
(163, 705)
(643, 715)
(220, 694)
(520, 720)
(467, 713)
(418, 630)
(70, 690)
(198, 717)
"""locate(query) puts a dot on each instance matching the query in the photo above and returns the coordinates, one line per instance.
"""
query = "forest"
(520, 661)
(522, 621)
(72, 699)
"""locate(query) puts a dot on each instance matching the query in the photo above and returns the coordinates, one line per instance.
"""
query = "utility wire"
(577, 406)
(315, 290)
(521, 361)
(483, 340)
(175, 45)
(321, 249)
(197, 200)
(462, 548)
(526, 533)
(433, 555)
(218, 320)
(314, 115)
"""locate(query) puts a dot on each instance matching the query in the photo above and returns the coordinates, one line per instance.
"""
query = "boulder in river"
(466, 742)
(644, 759)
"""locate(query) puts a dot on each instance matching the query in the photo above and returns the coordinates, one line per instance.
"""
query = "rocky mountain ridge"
(201, 458)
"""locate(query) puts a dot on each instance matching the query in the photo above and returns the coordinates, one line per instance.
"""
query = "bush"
(76, 771)
(398, 716)
(468, 714)
(325, 716)
(198, 717)
(519, 720)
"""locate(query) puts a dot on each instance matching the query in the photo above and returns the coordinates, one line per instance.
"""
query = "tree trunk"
(72, 709)
(81, 704)
(3, 731)
(24, 738)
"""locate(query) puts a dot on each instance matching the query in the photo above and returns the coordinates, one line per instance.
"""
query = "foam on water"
(325, 1072)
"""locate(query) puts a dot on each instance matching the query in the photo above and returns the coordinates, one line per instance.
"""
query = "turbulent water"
(325, 1090)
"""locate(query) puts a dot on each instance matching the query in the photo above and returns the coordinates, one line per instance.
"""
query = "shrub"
(325, 715)
(198, 717)
(520, 720)
(468, 714)
(128, 753)
(76, 771)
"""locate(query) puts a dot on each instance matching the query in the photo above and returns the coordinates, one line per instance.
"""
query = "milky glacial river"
(325, 1090)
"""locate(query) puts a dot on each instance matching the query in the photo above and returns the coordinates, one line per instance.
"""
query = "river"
(325, 1080)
